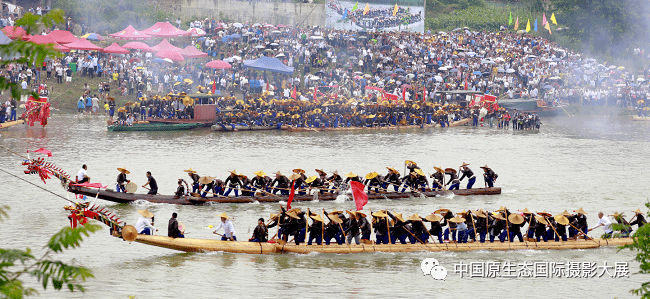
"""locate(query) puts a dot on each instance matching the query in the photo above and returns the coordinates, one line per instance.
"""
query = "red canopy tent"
(130, 34)
(218, 64)
(16, 32)
(138, 46)
(46, 39)
(84, 44)
(63, 36)
(165, 45)
(192, 52)
(115, 49)
(171, 54)
(164, 29)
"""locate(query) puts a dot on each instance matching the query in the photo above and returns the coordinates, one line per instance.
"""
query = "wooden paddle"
(551, 225)
(590, 238)
(150, 190)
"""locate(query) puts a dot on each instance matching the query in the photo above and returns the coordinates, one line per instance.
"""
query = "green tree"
(604, 27)
(16, 263)
(641, 244)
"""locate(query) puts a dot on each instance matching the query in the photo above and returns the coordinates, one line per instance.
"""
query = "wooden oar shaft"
(581, 232)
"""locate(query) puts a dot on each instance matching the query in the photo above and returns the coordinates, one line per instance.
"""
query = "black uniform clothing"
(640, 220)
(352, 227)
(283, 182)
(261, 233)
(232, 181)
(180, 191)
(152, 185)
(195, 178)
(466, 173)
(364, 225)
(172, 228)
(121, 178)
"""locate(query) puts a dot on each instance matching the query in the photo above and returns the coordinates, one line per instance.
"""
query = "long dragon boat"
(79, 214)
(452, 124)
(153, 127)
(11, 123)
(229, 128)
(120, 197)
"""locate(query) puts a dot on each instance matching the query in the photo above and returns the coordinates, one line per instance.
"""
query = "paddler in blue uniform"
(453, 179)
(283, 184)
(195, 179)
(438, 181)
(489, 176)
(232, 182)
(373, 180)
(392, 178)
(122, 180)
(259, 181)
(466, 172)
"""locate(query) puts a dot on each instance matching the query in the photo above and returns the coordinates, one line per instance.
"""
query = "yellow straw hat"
(145, 213)
(122, 169)
(223, 215)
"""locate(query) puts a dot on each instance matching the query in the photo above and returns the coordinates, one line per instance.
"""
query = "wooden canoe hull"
(452, 124)
(229, 128)
(640, 118)
(199, 245)
(152, 127)
(11, 123)
(120, 197)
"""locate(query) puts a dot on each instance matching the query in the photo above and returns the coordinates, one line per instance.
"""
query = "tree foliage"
(107, 17)
(605, 27)
(641, 244)
(17, 263)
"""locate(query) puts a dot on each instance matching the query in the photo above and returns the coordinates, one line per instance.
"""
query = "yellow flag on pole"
(528, 26)
(395, 10)
(367, 9)
(548, 27)
(553, 19)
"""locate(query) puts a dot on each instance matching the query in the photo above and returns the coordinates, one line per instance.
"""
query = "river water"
(597, 163)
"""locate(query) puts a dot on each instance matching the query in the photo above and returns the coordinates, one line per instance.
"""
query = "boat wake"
(142, 202)
(341, 198)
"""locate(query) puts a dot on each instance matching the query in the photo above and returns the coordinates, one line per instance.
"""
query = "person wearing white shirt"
(228, 229)
(82, 176)
(605, 223)
(143, 226)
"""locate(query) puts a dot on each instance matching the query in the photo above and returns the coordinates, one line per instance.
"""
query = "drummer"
(122, 180)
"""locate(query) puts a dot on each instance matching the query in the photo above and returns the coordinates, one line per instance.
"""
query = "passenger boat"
(168, 121)
(199, 245)
(121, 197)
(153, 127)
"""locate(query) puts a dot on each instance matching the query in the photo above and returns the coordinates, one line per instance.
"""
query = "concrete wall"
(287, 13)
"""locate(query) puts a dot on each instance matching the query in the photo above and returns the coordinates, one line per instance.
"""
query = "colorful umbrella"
(93, 37)
(196, 32)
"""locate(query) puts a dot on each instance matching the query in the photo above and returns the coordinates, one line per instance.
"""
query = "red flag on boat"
(91, 185)
(293, 191)
(294, 95)
(360, 196)
(465, 82)
(404, 93)
(43, 151)
(424, 93)
(214, 86)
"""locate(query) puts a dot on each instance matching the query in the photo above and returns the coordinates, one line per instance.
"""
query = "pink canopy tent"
(218, 64)
(138, 46)
(165, 45)
(130, 34)
(16, 32)
(115, 49)
(171, 54)
(192, 52)
(63, 36)
(46, 39)
(84, 44)
(164, 29)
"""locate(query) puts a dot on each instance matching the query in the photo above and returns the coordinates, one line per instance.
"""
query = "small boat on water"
(199, 245)
(153, 127)
(230, 128)
(8, 124)
(121, 197)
